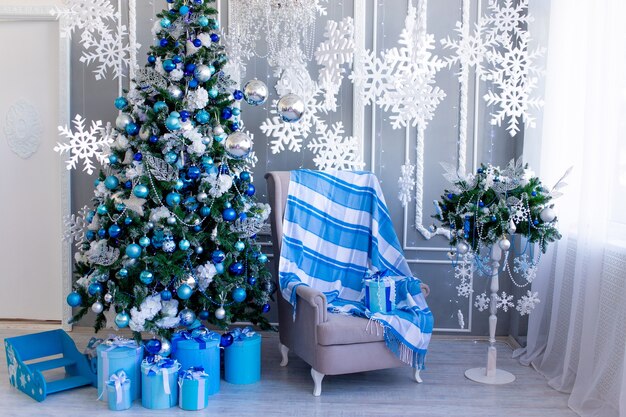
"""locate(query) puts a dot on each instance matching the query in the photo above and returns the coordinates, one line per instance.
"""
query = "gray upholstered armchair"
(332, 344)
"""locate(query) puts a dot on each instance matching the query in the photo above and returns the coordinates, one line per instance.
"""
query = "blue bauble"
(128, 184)
(238, 94)
(251, 280)
(205, 211)
(193, 172)
(132, 129)
(236, 268)
(187, 317)
(245, 176)
(234, 126)
(243, 216)
(218, 256)
(196, 228)
(172, 199)
(193, 83)
(113, 159)
(102, 233)
(215, 24)
(203, 21)
(450, 196)
(169, 65)
(224, 169)
(160, 106)
(179, 184)
(227, 113)
(122, 319)
(146, 277)
(153, 346)
(197, 43)
(120, 206)
(190, 67)
(229, 214)
(123, 273)
(165, 23)
(226, 340)
(177, 59)
(203, 117)
(173, 122)
(184, 292)
(166, 295)
(102, 210)
(215, 37)
(144, 241)
(262, 258)
(121, 103)
(90, 216)
(111, 182)
(250, 190)
(94, 288)
(171, 157)
(163, 42)
(534, 193)
(96, 182)
(140, 191)
(90, 235)
(138, 157)
(239, 294)
(219, 268)
(191, 204)
(227, 204)
(240, 246)
(153, 139)
(128, 220)
(184, 244)
(133, 251)
(213, 92)
(183, 10)
(74, 299)
(114, 230)
(203, 315)
(184, 115)
(266, 308)
(236, 111)
(151, 59)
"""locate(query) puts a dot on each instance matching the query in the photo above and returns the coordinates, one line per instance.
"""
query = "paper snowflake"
(334, 151)
(406, 183)
(482, 302)
(470, 49)
(83, 144)
(108, 51)
(461, 319)
(464, 270)
(527, 303)
(525, 267)
(284, 135)
(464, 289)
(519, 212)
(504, 301)
(75, 224)
(87, 15)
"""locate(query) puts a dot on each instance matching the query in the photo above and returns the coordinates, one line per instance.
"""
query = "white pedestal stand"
(490, 374)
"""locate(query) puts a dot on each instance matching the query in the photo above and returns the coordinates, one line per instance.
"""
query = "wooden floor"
(287, 391)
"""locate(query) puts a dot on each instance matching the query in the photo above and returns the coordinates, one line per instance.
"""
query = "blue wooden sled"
(28, 377)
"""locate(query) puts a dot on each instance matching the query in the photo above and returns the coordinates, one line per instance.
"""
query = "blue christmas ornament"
(120, 206)
(173, 121)
(184, 115)
(203, 116)
(238, 94)
(193, 172)
(533, 193)
(184, 244)
(251, 280)
(128, 221)
(236, 111)
(128, 184)
(111, 182)
(262, 258)
(224, 169)
(215, 24)
(133, 251)
(102, 233)
(205, 211)
(203, 315)
(229, 214)
(213, 92)
(481, 204)
(153, 346)
(250, 190)
(74, 299)
(165, 23)
(450, 196)
(236, 268)
(90, 216)
(140, 191)
(90, 235)
(197, 228)
(138, 157)
(153, 139)
(226, 340)
(240, 246)
(191, 204)
(151, 59)
(176, 59)
(166, 295)
(122, 319)
(234, 126)
(171, 157)
(215, 37)
(132, 129)
(169, 65)
(218, 256)
(190, 67)
(245, 176)
(183, 10)
(219, 268)
(123, 273)
(95, 288)
(187, 317)
(113, 159)
(163, 42)
(96, 182)
(146, 277)
(159, 106)
(197, 43)
(144, 241)
(102, 210)
(172, 199)
(239, 294)
(179, 184)
(193, 83)
(243, 216)
(227, 113)
(114, 231)
(121, 103)
(266, 308)
(184, 292)
(203, 21)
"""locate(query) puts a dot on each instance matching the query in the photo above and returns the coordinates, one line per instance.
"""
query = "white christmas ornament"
(83, 144)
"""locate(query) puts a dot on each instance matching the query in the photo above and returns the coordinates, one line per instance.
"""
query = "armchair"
(332, 344)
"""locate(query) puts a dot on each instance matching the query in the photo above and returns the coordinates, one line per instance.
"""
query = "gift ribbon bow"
(193, 373)
(378, 275)
(118, 380)
(164, 366)
(201, 335)
(240, 334)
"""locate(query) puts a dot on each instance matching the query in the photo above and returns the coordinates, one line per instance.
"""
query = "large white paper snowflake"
(464, 269)
(527, 303)
(468, 50)
(74, 226)
(108, 50)
(334, 151)
(464, 289)
(525, 267)
(83, 144)
(88, 15)
(504, 301)
(406, 183)
(482, 302)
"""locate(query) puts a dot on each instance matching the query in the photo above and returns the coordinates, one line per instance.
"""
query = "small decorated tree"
(171, 239)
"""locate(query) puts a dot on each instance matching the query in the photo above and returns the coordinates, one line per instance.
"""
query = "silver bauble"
(166, 348)
(171, 220)
(202, 73)
(220, 313)
(145, 132)
(187, 317)
(202, 197)
(175, 92)
(218, 130)
(255, 92)
(462, 248)
(290, 108)
(511, 229)
(122, 120)
(97, 307)
(505, 244)
(108, 297)
(238, 145)
(150, 225)
(199, 250)
(169, 246)
(547, 215)
(191, 281)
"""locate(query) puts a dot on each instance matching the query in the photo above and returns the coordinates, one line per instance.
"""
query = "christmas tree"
(171, 239)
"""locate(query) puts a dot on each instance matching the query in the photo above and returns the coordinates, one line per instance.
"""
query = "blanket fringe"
(413, 358)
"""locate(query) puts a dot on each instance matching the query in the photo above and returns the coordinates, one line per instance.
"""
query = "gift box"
(119, 354)
(158, 383)
(380, 293)
(242, 359)
(118, 392)
(199, 348)
(91, 354)
(192, 389)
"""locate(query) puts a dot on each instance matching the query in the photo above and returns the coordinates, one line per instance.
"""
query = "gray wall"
(94, 99)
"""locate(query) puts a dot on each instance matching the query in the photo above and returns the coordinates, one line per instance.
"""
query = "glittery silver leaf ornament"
(247, 227)
(149, 81)
(160, 169)
(103, 255)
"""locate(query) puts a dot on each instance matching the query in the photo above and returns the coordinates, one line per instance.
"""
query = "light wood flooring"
(288, 391)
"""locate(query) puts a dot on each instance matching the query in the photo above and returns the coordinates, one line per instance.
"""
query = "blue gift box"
(192, 391)
(380, 294)
(115, 355)
(199, 348)
(118, 392)
(158, 384)
(242, 359)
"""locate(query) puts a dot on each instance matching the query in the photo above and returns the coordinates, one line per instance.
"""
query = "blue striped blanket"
(336, 228)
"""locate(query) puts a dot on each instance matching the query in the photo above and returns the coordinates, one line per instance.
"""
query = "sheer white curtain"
(577, 335)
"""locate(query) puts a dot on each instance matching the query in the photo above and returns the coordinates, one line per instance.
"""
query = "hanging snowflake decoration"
(461, 319)
(527, 303)
(482, 302)
(107, 50)
(526, 268)
(334, 151)
(464, 270)
(519, 212)
(464, 289)
(504, 301)
(406, 183)
(468, 50)
(87, 15)
(83, 144)
(74, 226)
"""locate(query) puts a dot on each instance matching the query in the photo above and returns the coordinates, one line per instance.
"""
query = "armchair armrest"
(315, 299)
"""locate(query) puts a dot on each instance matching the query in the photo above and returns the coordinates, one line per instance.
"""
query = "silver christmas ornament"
(238, 145)
(150, 225)
(462, 248)
(169, 245)
(512, 227)
(547, 215)
(187, 317)
(108, 297)
(255, 92)
(218, 130)
(290, 108)
(202, 73)
(504, 244)
(171, 220)
(123, 120)
(145, 132)
(199, 250)
(191, 281)
(202, 197)
(166, 348)
(186, 125)
(220, 313)
(175, 92)
(97, 307)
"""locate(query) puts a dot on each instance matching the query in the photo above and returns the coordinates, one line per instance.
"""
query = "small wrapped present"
(158, 383)
(117, 354)
(118, 392)
(192, 389)
(242, 359)
(91, 354)
(380, 293)
(199, 348)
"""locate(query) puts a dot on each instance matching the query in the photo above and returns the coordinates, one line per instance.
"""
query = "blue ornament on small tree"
(239, 294)
(218, 256)
(94, 288)
(121, 103)
(266, 308)
(146, 277)
(111, 182)
(140, 191)
(173, 199)
(153, 346)
(226, 340)
(114, 230)
(187, 317)
(236, 268)
(166, 295)
(184, 292)
(229, 214)
(74, 299)
(133, 251)
(122, 319)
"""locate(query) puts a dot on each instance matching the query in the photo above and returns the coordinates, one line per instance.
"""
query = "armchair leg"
(317, 380)
(417, 376)
(284, 350)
